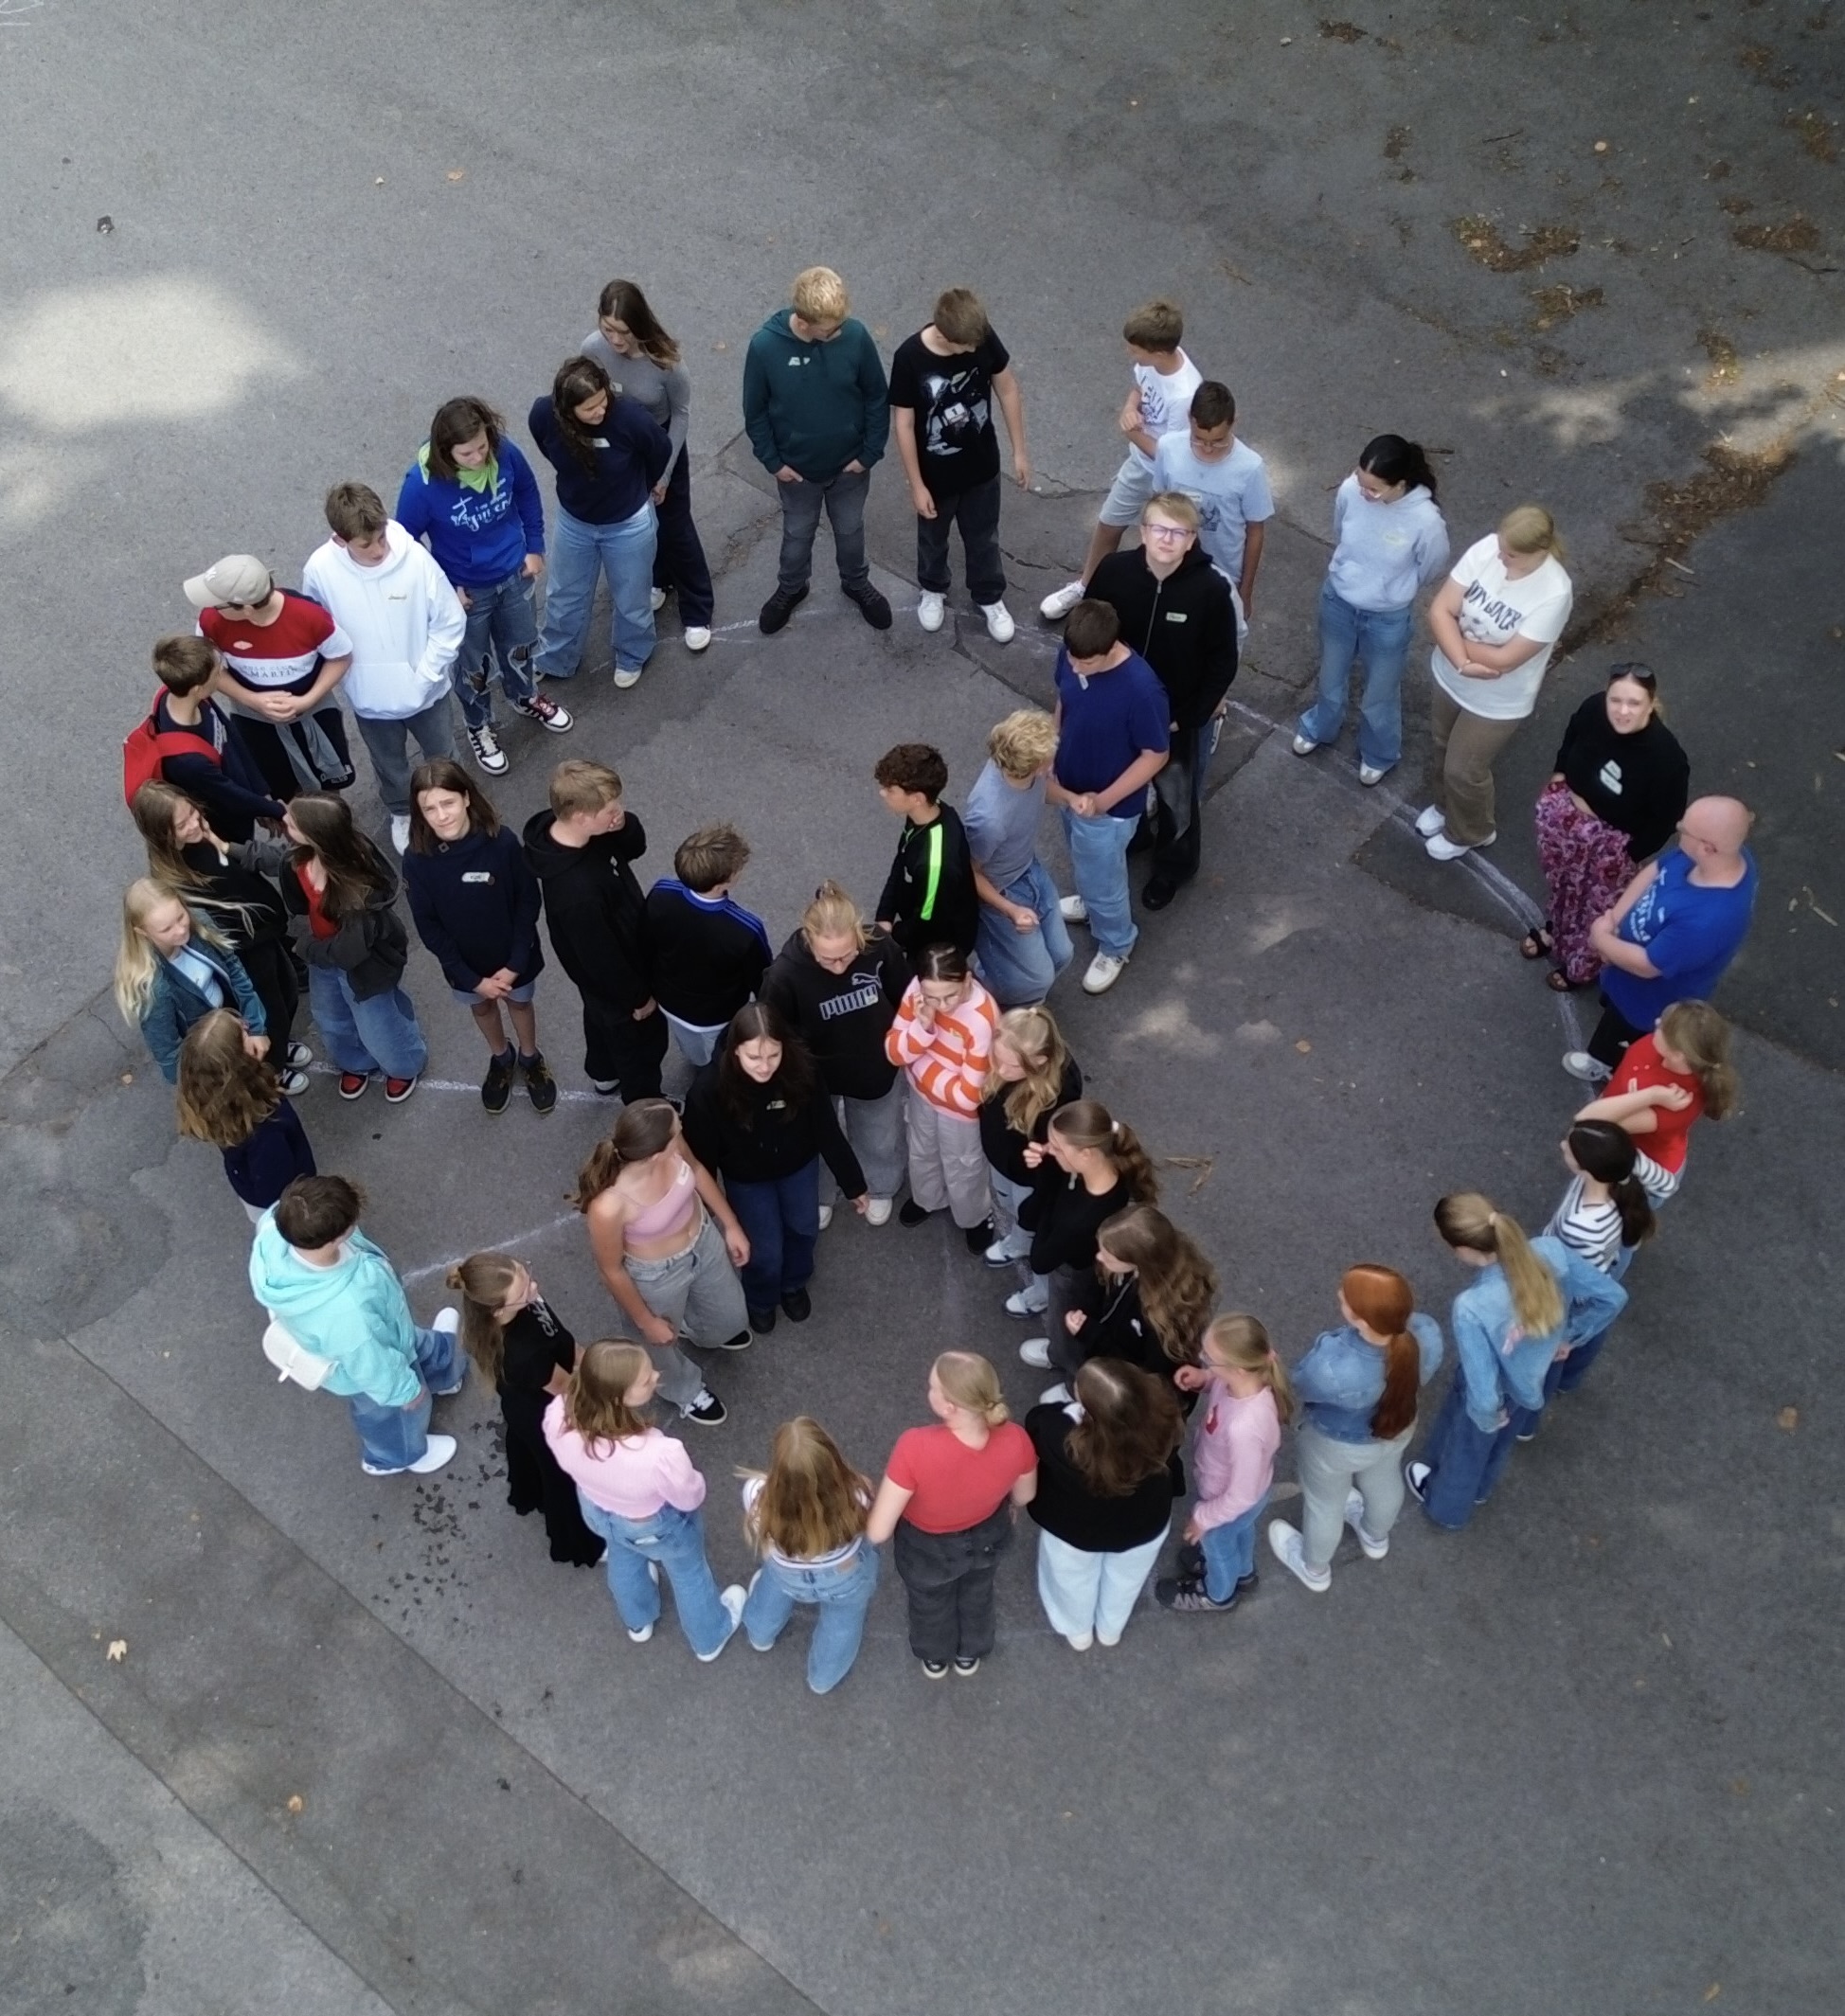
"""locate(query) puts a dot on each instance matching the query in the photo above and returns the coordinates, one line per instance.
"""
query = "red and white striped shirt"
(947, 1063)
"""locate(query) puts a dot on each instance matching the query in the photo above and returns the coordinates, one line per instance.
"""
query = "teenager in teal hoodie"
(816, 408)
(336, 1294)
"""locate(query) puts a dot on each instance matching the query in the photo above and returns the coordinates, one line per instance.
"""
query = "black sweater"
(930, 897)
(1184, 627)
(594, 909)
(1062, 1218)
(230, 791)
(707, 957)
(239, 895)
(842, 1018)
(777, 1138)
(1004, 1146)
(1638, 783)
(475, 903)
(1066, 1505)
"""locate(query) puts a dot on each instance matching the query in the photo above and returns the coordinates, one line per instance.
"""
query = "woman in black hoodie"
(758, 1115)
(837, 988)
(341, 897)
(475, 902)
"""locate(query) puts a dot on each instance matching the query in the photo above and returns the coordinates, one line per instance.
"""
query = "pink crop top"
(671, 1213)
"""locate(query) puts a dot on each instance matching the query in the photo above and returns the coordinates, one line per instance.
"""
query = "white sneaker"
(1057, 1396)
(1056, 606)
(826, 1216)
(1305, 745)
(625, 676)
(1591, 1070)
(698, 638)
(1073, 910)
(877, 1211)
(487, 753)
(1022, 1305)
(293, 1083)
(442, 1450)
(1284, 1541)
(656, 599)
(641, 1636)
(1000, 627)
(1036, 1351)
(1438, 846)
(1370, 774)
(1430, 821)
(1354, 1518)
(931, 609)
(400, 830)
(1078, 1641)
(446, 1319)
(299, 1056)
(1104, 969)
(732, 1599)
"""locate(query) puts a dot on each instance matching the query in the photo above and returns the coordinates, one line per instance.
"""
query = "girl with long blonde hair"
(805, 1516)
(171, 970)
(1665, 1083)
(234, 1101)
(1030, 1074)
(1148, 1299)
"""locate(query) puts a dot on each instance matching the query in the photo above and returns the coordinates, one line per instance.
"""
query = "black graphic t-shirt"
(952, 399)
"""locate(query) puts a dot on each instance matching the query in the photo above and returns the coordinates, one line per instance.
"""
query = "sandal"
(1559, 982)
(1537, 943)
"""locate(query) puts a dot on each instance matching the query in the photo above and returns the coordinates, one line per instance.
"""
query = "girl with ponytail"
(1533, 1299)
(1665, 1083)
(1357, 1391)
(518, 1341)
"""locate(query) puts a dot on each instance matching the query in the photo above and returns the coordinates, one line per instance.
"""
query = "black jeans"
(1179, 807)
(1613, 1033)
(679, 558)
(271, 973)
(948, 1577)
(976, 512)
(619, 1051)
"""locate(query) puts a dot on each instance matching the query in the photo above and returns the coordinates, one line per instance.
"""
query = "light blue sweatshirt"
(354, 1313)
(1385, 554)
(1501, 1373)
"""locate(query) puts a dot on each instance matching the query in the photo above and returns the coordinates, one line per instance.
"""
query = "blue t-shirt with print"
(1108, 720)
(1690, 933)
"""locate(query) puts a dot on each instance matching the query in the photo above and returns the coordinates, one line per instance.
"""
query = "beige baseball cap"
(239, 578)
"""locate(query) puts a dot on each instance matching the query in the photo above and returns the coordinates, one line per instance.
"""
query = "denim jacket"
(175, 1004)
(1340, 1381)
(1499, 1374)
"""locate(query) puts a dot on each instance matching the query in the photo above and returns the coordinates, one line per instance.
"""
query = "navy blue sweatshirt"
(707, 954)
(260, 1169)
(475, 903)
(230, 791)
(632, 454)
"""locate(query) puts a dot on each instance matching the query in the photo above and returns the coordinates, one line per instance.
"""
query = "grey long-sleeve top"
(664, 390)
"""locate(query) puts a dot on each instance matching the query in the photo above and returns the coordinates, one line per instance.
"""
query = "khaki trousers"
(1461, 766)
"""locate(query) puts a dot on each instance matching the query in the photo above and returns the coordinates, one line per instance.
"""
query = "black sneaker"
(979, 1237)
(740, 1342)
(912, 1213)
(1158, 893)
(778, 607)
(934, 1670)
(761, 1321)
(708, 1410)
(871, 605)
(497, 1087)
(1190, 1563)
(798, 1306)
(1248, 1583)
(540, 1083)
(965, 1668)
(1188, 1595)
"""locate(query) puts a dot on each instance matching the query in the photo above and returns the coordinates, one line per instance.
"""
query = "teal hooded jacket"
(354, 1313)
(815, 406)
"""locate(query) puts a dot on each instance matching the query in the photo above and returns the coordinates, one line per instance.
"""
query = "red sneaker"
(352, 1084)
(398, 1089)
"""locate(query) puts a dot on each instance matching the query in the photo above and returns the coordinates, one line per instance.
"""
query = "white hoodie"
(402, 617)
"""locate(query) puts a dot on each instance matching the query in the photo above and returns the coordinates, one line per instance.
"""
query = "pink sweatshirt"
(1232, 1454)
(631, 1480)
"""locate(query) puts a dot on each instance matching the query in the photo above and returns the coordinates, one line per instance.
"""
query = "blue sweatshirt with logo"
(478, 536)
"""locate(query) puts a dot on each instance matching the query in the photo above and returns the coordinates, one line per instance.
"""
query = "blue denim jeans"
(1379, 639)
(1230, 1553)
(578, 552)
(394, 1437)
(1464, 1461)
(1098, 859)
(782, 1222)
(1019, 966)
(842, 497)
(380, 1034)
(503, 626)
(1564, 1376)
(841, 1593)
(674, 1541)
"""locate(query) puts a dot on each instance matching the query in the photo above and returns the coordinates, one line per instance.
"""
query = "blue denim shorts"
(468, 998)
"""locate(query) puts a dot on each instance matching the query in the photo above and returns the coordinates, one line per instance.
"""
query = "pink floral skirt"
(1586, 865)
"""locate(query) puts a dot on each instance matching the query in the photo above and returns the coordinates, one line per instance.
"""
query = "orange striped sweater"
(947, 1064)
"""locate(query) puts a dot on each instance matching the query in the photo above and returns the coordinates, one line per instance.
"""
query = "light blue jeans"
(1019, 966)
(379, 1034)
(1083, 1592)
(578, 552)
(674, 1541)
(1230, 1553)
(1099, 858)
(1379, 639)
(394, 1437)
(841, 1593)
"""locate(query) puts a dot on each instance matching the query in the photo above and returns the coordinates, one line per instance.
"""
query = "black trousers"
(1179, 807)
(619, 1051)
(976, 512)
(948, 1577)
(679, 559)
(271, 973)
(535, 1484)
(1613, 1033)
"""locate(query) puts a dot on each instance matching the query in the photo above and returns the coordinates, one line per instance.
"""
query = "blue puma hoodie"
(354, 1313)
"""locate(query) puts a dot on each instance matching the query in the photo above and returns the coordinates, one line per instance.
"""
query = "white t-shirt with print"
(1494, 610)
(1165, 403)
(1231, 494)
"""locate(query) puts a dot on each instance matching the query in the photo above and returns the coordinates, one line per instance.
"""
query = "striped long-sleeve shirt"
(947, 1063)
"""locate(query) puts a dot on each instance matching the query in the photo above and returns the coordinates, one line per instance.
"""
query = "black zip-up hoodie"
(930, 897)
(370, 947)
(842, 1018)
(779, 1138)
(1184, 627)
(1063, 1218)
(594, 909)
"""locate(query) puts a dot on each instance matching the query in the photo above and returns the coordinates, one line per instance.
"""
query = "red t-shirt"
(1641, 1069)
(279, 657)
(954, 1487)
(318, 921)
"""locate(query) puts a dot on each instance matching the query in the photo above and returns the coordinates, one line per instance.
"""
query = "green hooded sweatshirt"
(815, 406)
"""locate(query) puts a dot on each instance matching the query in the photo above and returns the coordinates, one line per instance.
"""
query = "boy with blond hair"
(818, 413)
(1021, 945)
